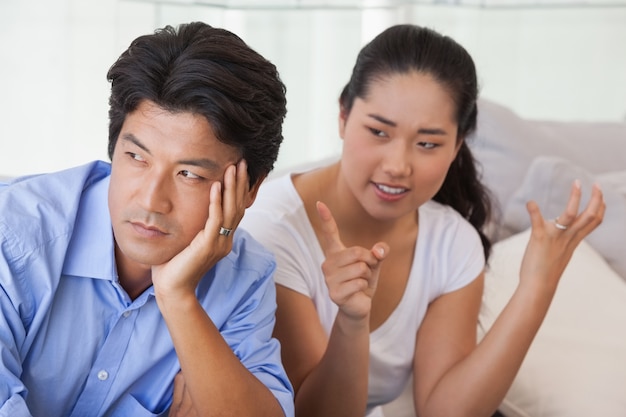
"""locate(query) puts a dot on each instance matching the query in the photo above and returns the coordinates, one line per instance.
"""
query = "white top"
(448, 256)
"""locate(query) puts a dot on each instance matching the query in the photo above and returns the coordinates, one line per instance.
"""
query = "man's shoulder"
(39, 208)
(81, 174)
(247, 251)
(249, 258)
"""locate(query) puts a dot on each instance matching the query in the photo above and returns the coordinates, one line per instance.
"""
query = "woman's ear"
(459, 143)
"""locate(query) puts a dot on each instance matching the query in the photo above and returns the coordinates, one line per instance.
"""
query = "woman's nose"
(397, 160)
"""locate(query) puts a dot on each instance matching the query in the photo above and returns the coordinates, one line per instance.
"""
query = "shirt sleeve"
(248, 331)
(12, 335)
(466, 255)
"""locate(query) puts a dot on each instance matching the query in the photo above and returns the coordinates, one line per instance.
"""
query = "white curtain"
(544, 59)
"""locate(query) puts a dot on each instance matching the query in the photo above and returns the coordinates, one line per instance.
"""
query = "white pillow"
(576, 366)
(505, 144)
(548, 182)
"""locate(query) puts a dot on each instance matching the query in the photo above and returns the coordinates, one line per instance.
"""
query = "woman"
(381, 255)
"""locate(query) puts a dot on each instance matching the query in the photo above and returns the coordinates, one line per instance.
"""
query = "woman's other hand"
(553, 241)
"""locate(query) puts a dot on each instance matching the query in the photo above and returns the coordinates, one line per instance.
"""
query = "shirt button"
(126, 313)
(103, 375)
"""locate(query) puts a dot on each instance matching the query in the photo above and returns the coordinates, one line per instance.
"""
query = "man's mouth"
(146, 229)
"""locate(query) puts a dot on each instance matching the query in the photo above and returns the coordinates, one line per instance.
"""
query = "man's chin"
(142, 258)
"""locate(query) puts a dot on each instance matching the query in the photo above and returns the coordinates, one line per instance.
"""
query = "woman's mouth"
(391, 190)
(389, 193)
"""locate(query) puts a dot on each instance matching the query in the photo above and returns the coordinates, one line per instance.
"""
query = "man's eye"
(135, 156)
(188, 174)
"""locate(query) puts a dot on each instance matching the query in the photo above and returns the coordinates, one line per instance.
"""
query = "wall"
(553, 63)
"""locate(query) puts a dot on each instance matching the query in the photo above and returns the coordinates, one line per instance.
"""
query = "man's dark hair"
(207, 71)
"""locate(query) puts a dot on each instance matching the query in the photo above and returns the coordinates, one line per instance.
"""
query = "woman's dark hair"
(208, 71)
(408, 48)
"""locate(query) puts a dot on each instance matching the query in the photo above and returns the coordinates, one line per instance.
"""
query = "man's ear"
(343, 117)
(252, 192)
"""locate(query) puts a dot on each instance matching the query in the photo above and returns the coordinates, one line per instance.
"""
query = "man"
(115, 278)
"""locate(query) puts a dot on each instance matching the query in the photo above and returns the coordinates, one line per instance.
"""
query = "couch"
(576, 365)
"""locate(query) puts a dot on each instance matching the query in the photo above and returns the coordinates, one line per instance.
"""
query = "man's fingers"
(330, 231)
(229, 196)
(216, 214)
(182, 405)
(179, 388)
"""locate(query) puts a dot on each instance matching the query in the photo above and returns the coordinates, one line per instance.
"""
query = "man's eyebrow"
(201, 162)
(382, 120)
(133, 139)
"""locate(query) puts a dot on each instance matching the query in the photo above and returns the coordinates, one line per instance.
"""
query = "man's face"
(162, 169)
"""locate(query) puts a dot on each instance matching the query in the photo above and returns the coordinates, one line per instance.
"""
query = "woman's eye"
(189, 174)
(427, 145)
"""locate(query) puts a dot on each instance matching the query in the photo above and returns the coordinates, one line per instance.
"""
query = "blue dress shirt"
(72, 342)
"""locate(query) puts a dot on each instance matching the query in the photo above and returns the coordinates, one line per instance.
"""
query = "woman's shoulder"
(452, 243)
(440, 211)
(441, 219)
(277, 193)
(277, 209)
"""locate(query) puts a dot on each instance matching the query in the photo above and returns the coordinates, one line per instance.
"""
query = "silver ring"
(224, 231)
(559, 225)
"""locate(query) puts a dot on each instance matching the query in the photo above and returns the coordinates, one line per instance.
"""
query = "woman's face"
(399, 142)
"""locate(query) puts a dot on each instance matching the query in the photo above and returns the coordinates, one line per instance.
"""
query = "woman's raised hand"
(553, 241)
(351, 273)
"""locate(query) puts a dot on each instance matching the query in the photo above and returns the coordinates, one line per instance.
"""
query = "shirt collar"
(91, 250)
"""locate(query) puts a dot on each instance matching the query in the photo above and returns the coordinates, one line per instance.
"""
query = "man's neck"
(133, 277)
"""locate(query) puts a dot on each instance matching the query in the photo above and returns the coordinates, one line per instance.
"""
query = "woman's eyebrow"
(434, 131)
(425, 131)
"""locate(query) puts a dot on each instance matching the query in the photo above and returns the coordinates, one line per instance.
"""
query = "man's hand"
(181, 402)
(181, 274)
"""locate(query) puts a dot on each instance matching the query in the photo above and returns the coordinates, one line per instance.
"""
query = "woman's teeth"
(390, 190)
